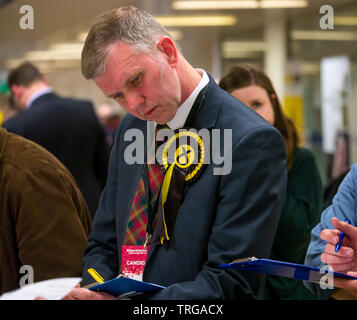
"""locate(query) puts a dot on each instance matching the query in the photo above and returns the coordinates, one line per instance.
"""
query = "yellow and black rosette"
(183, 160)
(184, 150)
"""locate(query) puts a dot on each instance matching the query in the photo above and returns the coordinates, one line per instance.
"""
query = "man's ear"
(167, 46)
(17, 90)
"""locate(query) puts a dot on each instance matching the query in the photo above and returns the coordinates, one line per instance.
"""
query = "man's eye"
(118, 96)
(136, 80)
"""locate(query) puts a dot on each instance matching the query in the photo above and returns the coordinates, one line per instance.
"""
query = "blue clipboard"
(283, 269)
(125, 286)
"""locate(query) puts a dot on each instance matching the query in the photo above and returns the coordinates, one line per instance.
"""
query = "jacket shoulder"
(131, 122)
(72, 102)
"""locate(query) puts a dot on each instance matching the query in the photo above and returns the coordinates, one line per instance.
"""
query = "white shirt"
(37, 95)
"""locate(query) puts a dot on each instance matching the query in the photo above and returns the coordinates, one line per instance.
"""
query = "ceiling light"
(43, 55)
(323, 35)
(57, 51)
(242, 49)
(196, 21)
(283, 4)
(197, 5)
(345, 21)
(242, 4)
(67, 47)
(243, 46)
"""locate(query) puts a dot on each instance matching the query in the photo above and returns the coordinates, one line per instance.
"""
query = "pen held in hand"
(342, 235)
(97, 277)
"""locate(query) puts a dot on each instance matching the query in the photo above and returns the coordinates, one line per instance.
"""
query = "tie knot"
(161, 126)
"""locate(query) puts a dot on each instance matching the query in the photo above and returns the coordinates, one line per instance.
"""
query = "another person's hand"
(348, 285)
(346, 258)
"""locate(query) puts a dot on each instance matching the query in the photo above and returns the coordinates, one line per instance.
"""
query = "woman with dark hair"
(303, 202)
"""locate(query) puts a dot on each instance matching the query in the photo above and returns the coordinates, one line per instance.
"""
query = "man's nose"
(134, 100)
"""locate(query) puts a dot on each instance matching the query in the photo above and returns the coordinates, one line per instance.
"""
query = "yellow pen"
(97, 277)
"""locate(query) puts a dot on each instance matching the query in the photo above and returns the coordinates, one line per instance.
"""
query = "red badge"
(133, 259)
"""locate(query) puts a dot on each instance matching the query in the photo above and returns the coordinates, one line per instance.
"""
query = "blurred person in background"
(325, 236)
(44, 220)
(345, 259)
(68, 128)
(110, 119)
(303, 202)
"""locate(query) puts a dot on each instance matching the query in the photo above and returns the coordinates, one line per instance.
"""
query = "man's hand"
(78, 293)
(346, 258)
(86, 294)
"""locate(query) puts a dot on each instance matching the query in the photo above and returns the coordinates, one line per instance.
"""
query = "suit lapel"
(206, 117)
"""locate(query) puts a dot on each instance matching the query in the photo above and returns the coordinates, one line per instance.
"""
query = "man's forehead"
(122, 57)
(122, 62)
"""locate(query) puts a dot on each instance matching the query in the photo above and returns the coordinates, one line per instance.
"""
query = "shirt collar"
(37, 95)
(178, 121)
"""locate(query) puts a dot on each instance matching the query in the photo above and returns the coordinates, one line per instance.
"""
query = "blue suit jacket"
(221, 218)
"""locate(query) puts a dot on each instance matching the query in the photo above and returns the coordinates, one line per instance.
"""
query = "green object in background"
(4, 88)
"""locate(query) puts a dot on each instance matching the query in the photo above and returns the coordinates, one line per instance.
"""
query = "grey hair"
(127, 24)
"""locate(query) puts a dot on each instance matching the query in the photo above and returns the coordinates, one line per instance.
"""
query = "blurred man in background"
(110, 119)
(67, 128)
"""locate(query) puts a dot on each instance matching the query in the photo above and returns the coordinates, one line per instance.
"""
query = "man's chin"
(163, 119)
(158, 118)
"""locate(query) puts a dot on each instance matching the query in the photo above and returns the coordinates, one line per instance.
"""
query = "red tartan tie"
(138, 220)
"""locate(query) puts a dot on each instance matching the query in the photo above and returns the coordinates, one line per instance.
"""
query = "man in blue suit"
(221, 217)
(68, 128)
